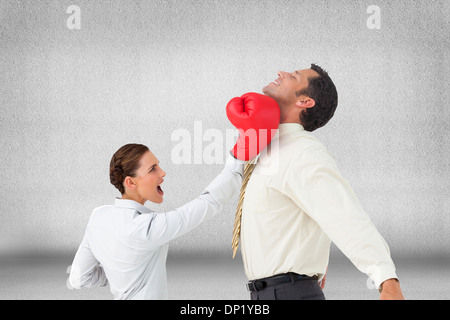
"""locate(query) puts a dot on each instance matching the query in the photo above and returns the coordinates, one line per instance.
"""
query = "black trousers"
(307, 289)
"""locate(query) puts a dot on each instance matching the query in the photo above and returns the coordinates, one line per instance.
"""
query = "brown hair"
(124, 163)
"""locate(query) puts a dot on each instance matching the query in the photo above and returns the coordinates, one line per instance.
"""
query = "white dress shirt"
(296, 203)
(126, 244)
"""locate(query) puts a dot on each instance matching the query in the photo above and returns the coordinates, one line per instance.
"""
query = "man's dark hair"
(324, 93)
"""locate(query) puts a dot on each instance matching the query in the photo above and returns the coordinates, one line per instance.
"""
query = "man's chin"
(266, 90)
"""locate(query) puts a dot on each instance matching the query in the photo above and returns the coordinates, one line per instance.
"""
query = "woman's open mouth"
(160, 191)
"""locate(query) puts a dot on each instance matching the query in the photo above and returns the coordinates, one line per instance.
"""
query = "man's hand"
(322, 282)
(390, 290)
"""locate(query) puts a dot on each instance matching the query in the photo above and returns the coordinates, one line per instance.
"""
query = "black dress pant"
(307, 289)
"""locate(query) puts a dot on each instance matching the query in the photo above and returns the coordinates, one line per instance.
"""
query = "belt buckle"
(256, 285)
(251, 286)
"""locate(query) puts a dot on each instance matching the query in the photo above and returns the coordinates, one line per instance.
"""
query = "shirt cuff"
(383, 273)
(234, 165)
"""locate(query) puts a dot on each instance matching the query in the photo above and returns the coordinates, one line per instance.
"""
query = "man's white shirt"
(296, 203)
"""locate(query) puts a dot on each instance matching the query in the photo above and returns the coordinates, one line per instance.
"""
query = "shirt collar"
(284, 129)
(287, 128)
(131, 204)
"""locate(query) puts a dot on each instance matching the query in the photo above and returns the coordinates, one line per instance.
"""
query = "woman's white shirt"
(125, 245)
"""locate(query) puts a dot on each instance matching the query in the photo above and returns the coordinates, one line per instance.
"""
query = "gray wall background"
(137, 71)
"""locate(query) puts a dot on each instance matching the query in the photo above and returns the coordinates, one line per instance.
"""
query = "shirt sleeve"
(319, 189)
(86, 271)
(167, 226)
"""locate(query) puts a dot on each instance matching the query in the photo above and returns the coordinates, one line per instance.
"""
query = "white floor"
(220, 278)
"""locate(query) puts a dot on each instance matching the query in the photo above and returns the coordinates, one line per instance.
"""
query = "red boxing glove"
(257, 117)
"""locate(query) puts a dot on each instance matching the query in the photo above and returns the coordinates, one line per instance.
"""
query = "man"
(290, 215)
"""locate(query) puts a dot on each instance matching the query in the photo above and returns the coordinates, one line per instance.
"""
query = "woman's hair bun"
(124, 163)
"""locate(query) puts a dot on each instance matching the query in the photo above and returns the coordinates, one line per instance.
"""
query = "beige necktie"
(237, 221)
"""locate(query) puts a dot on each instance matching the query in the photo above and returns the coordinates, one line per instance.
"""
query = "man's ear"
(306, 103)
(129, 183)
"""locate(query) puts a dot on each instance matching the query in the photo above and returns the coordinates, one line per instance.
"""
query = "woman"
(126, 244)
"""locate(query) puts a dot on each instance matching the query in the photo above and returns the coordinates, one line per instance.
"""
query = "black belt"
(259, 284)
